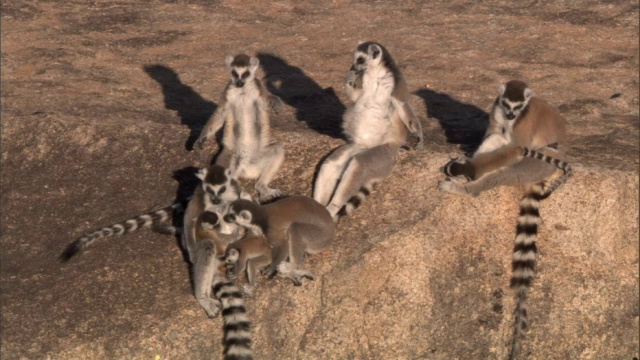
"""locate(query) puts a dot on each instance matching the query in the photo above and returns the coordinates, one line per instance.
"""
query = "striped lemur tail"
(128, 226)
(524, 259)
(356, 200)
(562, 165)
(237, 327)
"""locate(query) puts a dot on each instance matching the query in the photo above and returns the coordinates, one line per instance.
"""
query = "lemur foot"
(452, 185)
(247, 290)
(266, 193)
(286, 269)
(211, 306)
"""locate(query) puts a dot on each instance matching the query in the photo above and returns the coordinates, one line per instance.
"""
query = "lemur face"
(217, 186)
(242, 69)
(514, 98)
(366, 54)
(239, 214)
(209, 220)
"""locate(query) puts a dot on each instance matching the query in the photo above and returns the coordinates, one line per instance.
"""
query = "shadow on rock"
(193, 110)
(319, 108)
(463, 124)
(187, 182)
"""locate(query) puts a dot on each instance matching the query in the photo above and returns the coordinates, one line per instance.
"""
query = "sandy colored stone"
(99, 99)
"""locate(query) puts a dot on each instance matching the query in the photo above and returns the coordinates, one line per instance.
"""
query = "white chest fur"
(246, 116)
(501, 132)
(372, 110)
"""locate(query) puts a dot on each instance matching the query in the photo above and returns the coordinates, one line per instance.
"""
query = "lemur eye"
(234, 73)
(505, 105)
(360, 60)
(518, 107)
(222, 190)
(245, 75)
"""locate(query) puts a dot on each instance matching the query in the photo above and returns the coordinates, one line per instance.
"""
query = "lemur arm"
(274, 103)
(409, 119)
(213, 125)
(353, 85)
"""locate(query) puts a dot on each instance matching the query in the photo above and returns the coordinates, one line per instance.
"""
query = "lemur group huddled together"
(226, 232)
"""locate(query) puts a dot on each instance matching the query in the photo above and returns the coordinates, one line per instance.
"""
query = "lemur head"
(212, 221)
(514, 98)
(247, 214)
(218, 185)
(242, 68)
(369, 54)
(209, 220)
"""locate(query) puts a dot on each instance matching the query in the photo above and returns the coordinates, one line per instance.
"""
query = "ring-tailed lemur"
(209, 279)
(251, 253)
(244, 112)
(221, 188)
(376, 126)
(521, 125)
(472, 171)
(293, 226)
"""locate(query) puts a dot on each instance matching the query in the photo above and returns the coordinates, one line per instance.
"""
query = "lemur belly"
(246, 125)
(374, 111)
(247, 133)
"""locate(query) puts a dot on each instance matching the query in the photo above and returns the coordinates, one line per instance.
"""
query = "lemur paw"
(452, 185)
(334, 211)
(459, 167)
(268, 193)
(276, 104)
(211, 306)
(416, 142)
(247, 290)
(199, 144)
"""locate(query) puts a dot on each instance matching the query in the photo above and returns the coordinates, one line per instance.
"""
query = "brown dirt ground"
(100, 101)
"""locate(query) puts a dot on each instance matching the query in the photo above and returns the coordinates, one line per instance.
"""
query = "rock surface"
(99, 101)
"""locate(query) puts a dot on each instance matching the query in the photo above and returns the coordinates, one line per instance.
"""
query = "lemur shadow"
(193, 110)
(319, 108)
(187, 183)
(463, 124)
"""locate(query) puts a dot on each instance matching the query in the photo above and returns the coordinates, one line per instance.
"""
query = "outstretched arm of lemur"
(274, 103)
(410, 120)
(213, 125)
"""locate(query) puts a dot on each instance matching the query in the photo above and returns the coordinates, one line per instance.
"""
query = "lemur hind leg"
(526, 171)
(331, 170)
(206, 264)
(367, 166)
(270, 161)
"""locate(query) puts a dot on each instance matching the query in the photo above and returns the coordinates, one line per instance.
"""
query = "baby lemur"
(293, 226)
(209, 279)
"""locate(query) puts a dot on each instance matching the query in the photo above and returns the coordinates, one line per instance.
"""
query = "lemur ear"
(502, 88)
(245, 215)
(201, 174)
(374, 51)
(228, 173)
(254, 62)
(360, 42)
(231, 170)
(528, 94)
(228, 60)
